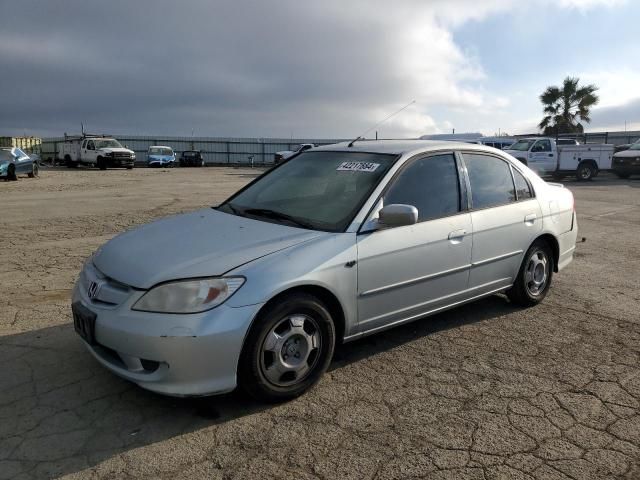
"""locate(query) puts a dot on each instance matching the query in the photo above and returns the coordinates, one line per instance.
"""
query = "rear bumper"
(567, 244)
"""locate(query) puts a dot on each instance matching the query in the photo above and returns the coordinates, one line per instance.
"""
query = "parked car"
(627, 162)
(14, 162)
(335, 244)
(283, 155)
(621, 147)
(161, 156)
(191, 158)
(546, 157)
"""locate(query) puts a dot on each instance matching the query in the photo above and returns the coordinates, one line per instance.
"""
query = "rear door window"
(490, 179)
(523, 190)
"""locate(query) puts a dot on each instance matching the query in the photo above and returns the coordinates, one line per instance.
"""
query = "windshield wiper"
(268, 213)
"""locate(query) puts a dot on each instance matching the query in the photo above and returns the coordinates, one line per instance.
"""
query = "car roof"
(403, 147)
(159, 146)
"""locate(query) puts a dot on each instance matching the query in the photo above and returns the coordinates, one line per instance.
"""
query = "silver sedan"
(336, 243)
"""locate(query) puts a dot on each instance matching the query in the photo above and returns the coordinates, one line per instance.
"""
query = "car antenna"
(360, 137)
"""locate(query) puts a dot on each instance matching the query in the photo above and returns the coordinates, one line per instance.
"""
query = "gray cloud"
(236, 68)
(221, 68)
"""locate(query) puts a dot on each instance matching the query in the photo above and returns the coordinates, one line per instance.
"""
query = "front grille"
(101, 289)
(122, 155)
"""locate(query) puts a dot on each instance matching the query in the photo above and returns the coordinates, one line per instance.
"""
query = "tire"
(288, 348)
(102, 164)
(11, 173)
(532, 284)
(585, 172)
(69, 163)
(35, 170)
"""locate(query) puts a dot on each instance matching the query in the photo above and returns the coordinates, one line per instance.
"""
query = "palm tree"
(566, 107)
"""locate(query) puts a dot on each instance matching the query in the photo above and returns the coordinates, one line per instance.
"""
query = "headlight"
(188, 296)
(133, 155)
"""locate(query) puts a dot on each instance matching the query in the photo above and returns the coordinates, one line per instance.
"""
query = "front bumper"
(180, 355)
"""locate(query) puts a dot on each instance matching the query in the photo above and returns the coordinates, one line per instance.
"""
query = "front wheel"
(102, 163)
(288, 349)
(11, 173)
(534, 277)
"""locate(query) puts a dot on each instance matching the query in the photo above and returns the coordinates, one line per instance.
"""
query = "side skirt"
(423, 315)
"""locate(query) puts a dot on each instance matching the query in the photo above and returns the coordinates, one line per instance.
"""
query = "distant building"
(26, 144)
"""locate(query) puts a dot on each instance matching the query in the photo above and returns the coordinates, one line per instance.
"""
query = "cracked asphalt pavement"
(485, 391)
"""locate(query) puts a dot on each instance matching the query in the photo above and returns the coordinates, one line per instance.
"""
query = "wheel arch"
(552, 241)
(325, 295)
(589, 161)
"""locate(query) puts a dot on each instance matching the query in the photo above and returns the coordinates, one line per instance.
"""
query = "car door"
(506, 219)
(22, 161)
(405, 272)
(89, 152)
(541, 156)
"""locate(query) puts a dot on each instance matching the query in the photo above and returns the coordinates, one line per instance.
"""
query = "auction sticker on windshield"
(358, 167)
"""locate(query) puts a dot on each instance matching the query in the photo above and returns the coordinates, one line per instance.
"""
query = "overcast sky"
(327, 68)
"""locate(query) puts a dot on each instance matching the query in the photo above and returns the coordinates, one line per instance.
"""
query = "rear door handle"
(530, 218)
(457, 235)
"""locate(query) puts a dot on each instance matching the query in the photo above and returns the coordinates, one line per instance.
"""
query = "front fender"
(323, 262)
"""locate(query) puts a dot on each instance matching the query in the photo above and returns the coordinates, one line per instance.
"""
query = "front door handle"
(530, 218)
(457, 235)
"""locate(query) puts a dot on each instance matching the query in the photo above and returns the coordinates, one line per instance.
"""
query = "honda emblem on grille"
(93, 289)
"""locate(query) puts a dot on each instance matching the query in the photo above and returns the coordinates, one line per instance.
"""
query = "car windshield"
(110, 143)
(190, 154)
(521, 145)
(160, 151)
(315, 190)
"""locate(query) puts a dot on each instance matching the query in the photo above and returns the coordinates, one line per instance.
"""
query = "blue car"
(161, 156)
(14, 162)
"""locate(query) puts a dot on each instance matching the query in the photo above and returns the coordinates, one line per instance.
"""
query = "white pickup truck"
(545, 157)
(95, 151)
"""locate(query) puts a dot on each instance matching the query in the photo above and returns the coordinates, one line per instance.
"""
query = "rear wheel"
(288, 349)
(34, 170)
(534, 277)
(102, 163)
(585, 172)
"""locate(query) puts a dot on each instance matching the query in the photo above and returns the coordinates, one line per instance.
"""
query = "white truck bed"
(570, 156)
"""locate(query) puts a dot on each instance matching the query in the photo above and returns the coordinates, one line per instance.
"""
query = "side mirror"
(398, 215)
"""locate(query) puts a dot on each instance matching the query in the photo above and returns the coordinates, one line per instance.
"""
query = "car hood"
(160, 157)
(114, 150)
(627, 154)
(198, 244)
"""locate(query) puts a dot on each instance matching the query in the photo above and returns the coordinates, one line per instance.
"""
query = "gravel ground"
(481, 392)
